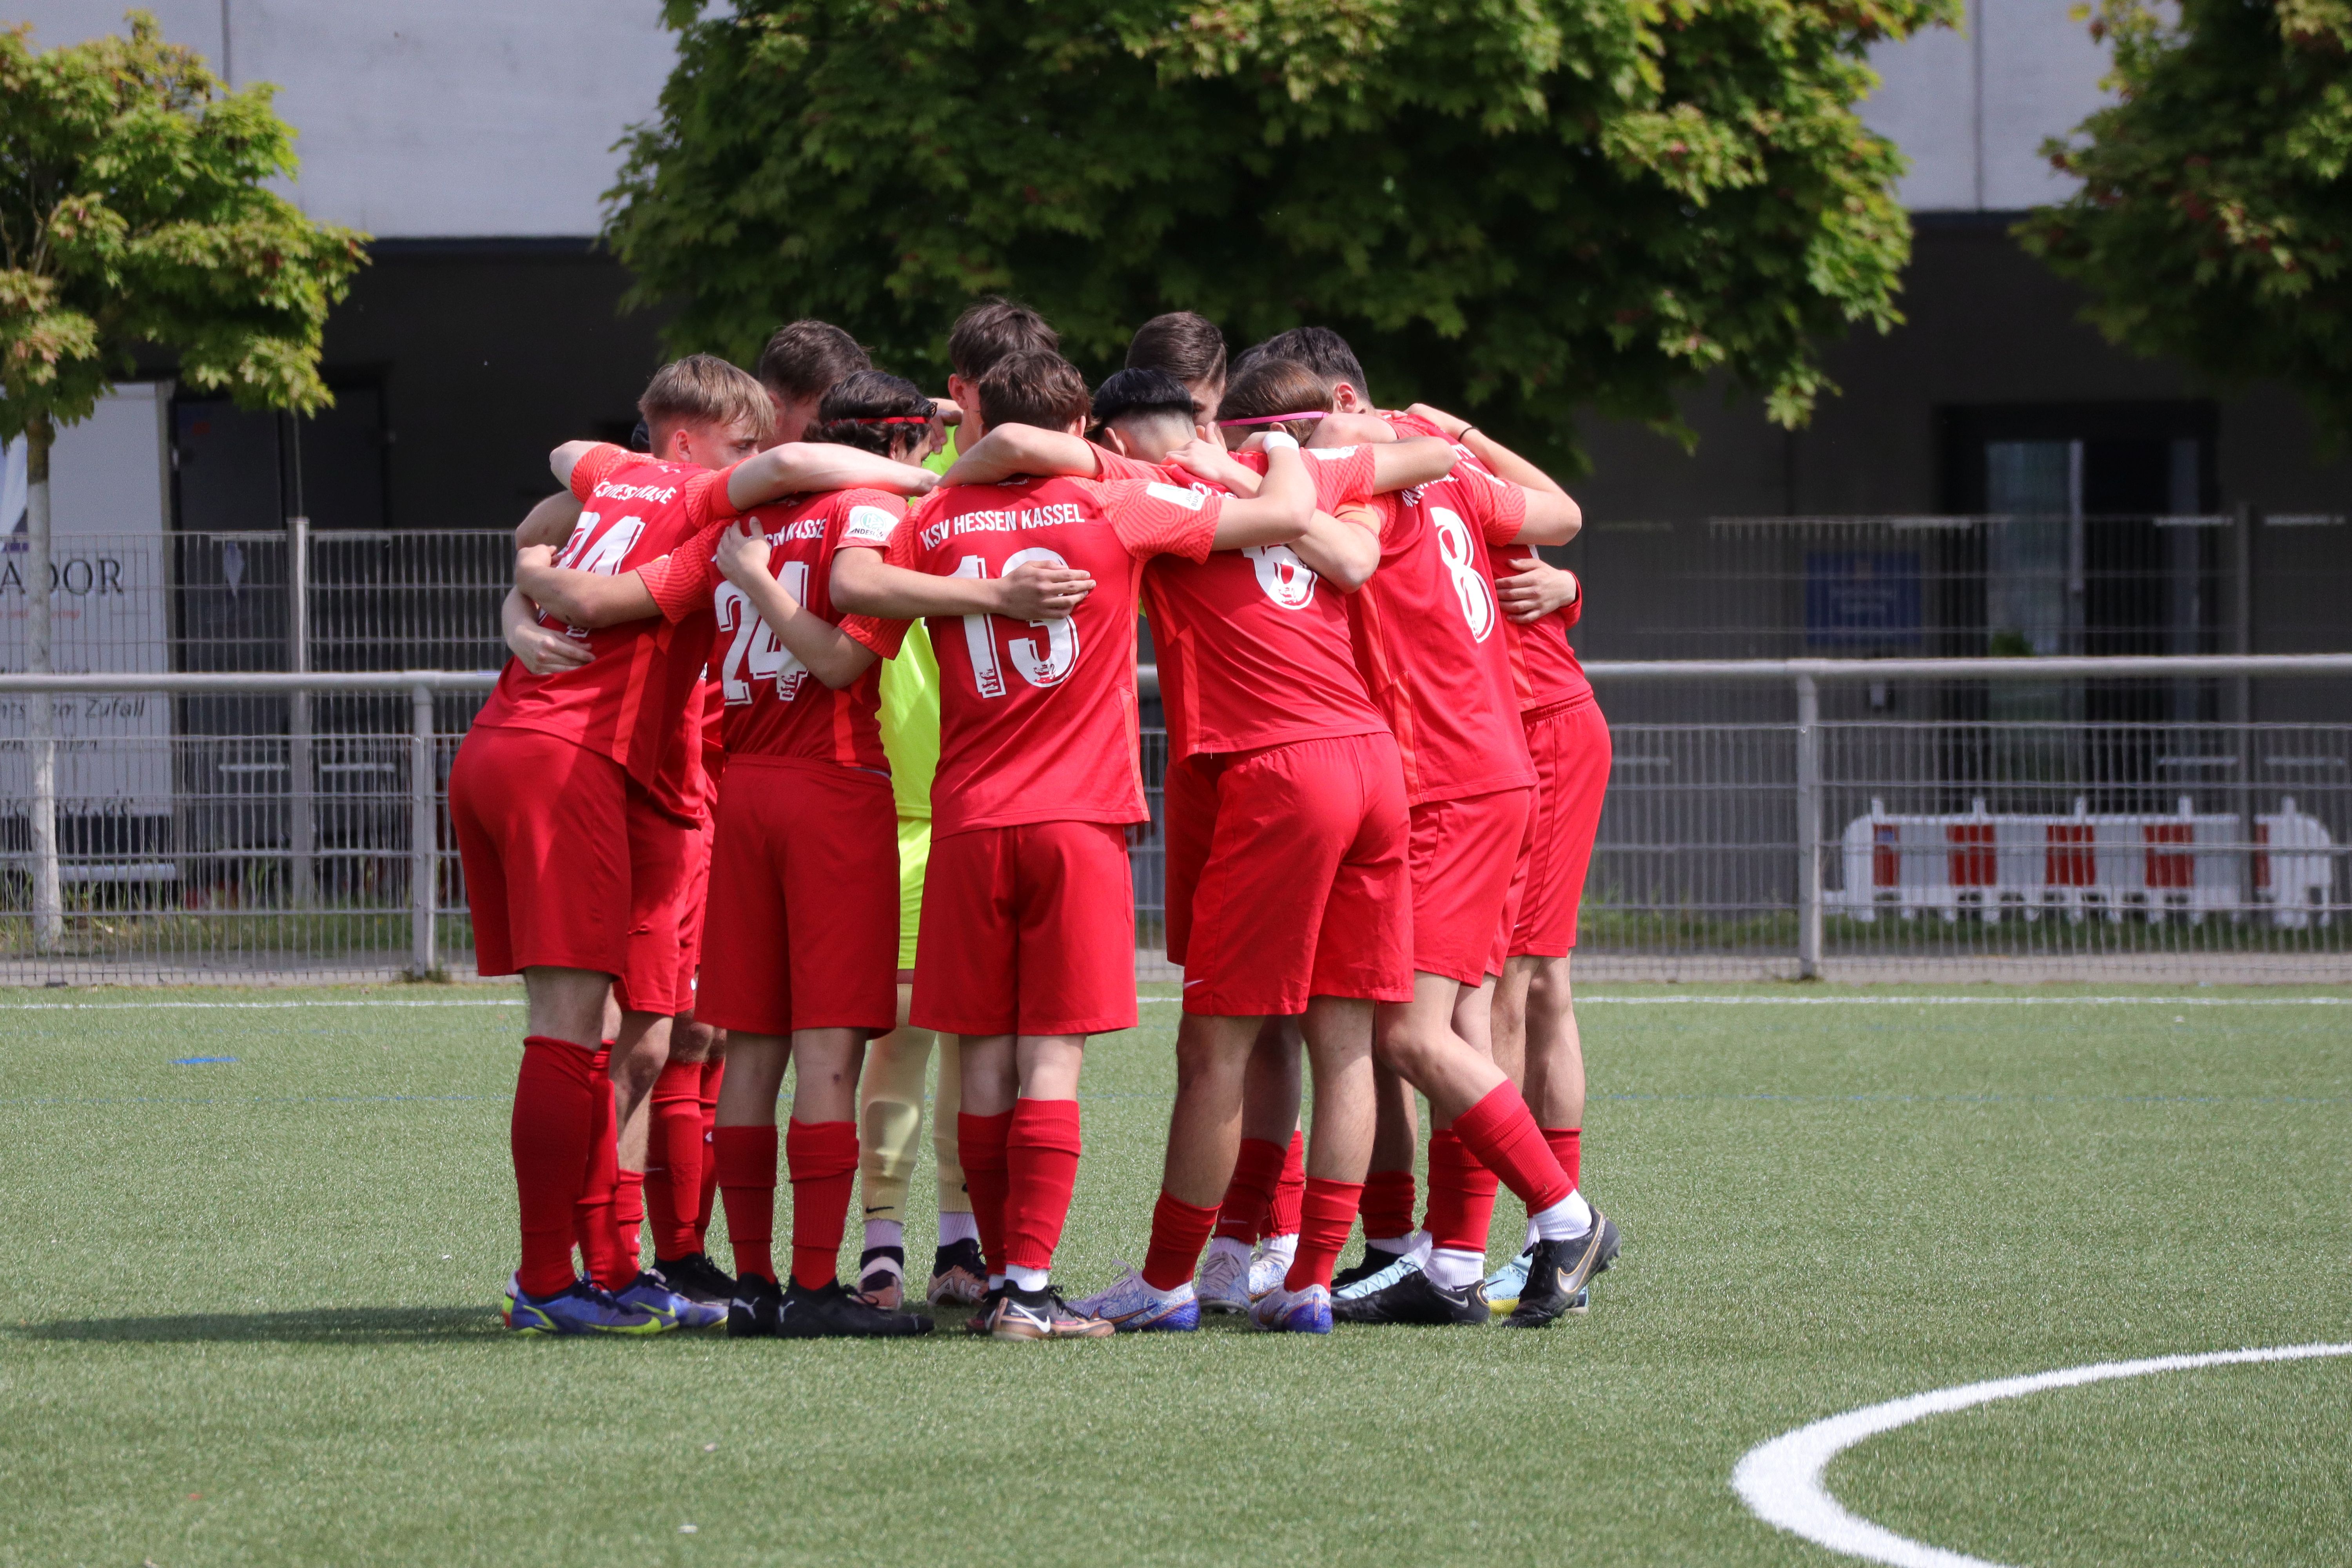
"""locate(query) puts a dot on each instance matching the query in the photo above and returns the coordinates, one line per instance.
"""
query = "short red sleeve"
(596, 466)
(883, 636)
(902, 549)
(1342, 475)
(869, 519)
(704, 496)
(1112, 465)
(683, 581)
(1502, 507)
(1152, 517)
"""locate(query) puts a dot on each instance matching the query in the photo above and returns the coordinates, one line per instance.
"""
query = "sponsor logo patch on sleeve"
(1189, 500)
(869, 525)
(1331, 454)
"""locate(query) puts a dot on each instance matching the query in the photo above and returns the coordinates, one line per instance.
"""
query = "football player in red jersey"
(1027, 941)
(1263, 1205)
(1427, 638)
(804, 919)
(1535, 1034)
(1286, 821)
(1190, 348)
(555, 803)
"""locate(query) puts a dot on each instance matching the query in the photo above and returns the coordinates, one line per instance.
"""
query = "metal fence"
(1808, 832)
(1999, 584)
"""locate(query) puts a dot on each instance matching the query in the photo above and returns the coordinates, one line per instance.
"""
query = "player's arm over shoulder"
(580, 598)
(1343, 549)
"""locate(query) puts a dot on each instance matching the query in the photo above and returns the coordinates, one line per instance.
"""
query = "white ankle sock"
(1454, 1269)
(1231, 1249)
(1282, 1249)
(1027, 1279)
(1528, 1245)
(957, 1225)
(884, 1233)
(1565, 1220)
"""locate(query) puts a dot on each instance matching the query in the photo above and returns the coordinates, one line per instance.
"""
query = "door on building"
(2097, 538)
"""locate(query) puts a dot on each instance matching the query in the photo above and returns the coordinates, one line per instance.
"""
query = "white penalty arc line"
(1781, 1481)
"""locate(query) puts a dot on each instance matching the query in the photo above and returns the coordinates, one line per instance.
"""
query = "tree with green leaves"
(2214, 211)
(135, 221)
(1515, 205)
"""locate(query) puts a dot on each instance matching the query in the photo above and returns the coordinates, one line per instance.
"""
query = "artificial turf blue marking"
(200, 1061)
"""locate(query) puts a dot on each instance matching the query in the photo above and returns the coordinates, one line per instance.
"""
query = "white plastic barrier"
(2187, 863)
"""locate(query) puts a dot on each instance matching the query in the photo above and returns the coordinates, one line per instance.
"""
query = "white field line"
(1589, 1000)
(1583, 1001)
(1781, 1481)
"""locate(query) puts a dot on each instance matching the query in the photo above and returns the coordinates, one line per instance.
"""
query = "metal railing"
(1808, 832)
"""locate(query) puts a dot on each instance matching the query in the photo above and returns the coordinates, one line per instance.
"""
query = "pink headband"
(1280, 418)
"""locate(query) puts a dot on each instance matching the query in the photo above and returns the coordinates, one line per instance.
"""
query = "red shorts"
(1571, 751)
(661, 852)
(1188, 821)
(1027, 931)
(692, 901)
(541, 828)
(1303, 891)
(803, 927)
(1464, 852)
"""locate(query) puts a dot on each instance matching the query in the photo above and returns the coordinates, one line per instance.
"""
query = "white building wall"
(429, 119)
(1971, 108)
(443, 119)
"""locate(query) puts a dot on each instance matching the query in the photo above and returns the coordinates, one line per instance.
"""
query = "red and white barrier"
(1991, 866)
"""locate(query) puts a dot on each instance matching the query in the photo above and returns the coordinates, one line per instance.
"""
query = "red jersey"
(1544, 669)
(629, 702)
(688, 771)
(775, 708)
(1253, 650)
(1429, 638)
(1037, 721)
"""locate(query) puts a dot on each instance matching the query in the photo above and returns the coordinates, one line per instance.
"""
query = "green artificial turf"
(248, 1318)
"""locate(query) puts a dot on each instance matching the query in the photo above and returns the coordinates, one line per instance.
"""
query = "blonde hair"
(703, 389)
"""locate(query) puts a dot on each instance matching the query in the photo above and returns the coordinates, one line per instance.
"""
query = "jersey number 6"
(1041, 661)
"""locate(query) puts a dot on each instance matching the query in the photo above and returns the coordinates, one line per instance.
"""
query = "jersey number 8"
(1470, 589)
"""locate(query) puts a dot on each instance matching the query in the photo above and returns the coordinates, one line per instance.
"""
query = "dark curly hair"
(856, 407)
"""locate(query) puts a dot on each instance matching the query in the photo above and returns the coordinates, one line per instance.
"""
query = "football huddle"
(820, 747)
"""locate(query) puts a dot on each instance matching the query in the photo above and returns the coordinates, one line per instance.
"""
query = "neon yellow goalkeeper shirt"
(910, 721)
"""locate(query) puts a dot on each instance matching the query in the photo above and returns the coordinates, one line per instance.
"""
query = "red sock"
(1282, 1215)
(1567, 1146)
(1461, 1195)
(1041, 1172)
(980, 1147)
(1388, 1205)
(745, 1158)
(1327, 1211)
(674, 1159)
(823, 1156)
(629, 1219)
(1179, 1231)
(593, 1215)
(1251, 1192)
(554, 1108)
(1502, 1132)
(713, 1072)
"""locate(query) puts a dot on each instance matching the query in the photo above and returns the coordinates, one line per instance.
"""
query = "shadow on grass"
(324, 1325)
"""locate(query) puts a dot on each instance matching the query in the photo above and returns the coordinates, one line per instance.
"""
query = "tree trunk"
(40, 708)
